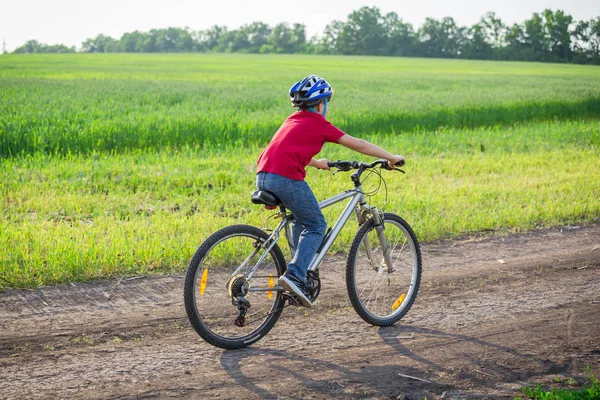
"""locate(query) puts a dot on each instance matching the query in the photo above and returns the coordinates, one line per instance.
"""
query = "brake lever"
(336, 170)
(385, 166)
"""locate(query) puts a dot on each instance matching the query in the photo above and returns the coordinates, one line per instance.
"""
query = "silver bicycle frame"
(357, 205)
(357, 197)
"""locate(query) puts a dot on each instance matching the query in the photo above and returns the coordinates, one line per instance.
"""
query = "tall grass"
(113, 103)
(82, 217)
(122, 164)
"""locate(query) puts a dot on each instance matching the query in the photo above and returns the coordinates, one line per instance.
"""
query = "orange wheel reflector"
(271, 284)
(398, 302)
(203, 281)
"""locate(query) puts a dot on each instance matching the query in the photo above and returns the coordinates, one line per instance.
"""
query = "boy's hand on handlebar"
(320, 164)
(396, 161)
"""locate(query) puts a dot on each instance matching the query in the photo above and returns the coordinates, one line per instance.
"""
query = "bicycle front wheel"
(232, 269)
(383, 286)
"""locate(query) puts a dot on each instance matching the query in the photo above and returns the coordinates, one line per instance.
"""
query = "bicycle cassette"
(237, 286)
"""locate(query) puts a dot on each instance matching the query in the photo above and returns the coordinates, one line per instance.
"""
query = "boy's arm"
(369, 149)
(320, 164)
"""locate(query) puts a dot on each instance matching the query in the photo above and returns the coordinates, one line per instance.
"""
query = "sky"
(71, 22)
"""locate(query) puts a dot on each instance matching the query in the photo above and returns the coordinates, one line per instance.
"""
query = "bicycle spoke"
(378, 295)
(226, 312)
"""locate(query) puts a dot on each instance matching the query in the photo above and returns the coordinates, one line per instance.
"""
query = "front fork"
(363, 214)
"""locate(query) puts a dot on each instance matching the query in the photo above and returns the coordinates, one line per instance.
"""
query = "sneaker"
(295, 286)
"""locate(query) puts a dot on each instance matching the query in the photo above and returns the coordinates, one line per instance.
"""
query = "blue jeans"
(309, 229)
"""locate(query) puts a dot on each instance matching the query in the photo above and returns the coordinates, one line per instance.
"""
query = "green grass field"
(122, 164)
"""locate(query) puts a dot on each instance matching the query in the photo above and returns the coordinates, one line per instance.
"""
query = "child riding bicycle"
(281, 171)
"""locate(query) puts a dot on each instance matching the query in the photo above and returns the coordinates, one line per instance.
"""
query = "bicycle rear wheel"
(382, 294)
(219, 273)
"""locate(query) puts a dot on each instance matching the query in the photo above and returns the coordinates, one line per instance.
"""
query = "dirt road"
(493, 314)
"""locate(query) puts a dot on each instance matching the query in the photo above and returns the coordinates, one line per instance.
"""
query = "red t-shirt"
(297, 141)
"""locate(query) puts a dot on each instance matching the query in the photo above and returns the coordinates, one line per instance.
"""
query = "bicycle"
(231, 296)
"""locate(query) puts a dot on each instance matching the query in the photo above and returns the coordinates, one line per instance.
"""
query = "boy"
(281, 171)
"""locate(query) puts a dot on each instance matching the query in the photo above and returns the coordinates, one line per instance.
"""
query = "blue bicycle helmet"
(310, 91)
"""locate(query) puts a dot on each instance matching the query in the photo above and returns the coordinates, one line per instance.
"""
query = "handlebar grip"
(400, 163)
(342, 165)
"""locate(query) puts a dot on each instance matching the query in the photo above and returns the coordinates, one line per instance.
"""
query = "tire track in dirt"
(493, 313)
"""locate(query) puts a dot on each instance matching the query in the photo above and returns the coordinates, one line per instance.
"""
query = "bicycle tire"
(362, 273)
(209, 282)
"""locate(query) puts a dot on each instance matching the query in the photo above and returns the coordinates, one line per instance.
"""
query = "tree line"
(550, 36)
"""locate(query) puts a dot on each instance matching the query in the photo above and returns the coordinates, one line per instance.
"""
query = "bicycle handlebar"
(345, 165)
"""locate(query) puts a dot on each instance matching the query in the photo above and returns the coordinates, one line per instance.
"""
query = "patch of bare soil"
(493, 314)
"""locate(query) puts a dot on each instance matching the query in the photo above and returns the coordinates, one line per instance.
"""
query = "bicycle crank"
(313, 284)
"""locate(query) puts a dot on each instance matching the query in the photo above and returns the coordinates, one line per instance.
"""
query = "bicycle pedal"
(293, 300)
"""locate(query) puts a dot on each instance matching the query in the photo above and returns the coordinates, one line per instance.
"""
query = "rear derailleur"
(238, 288)
(242, 305)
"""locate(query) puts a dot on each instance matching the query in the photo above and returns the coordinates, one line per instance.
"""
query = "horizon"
(76, 22)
